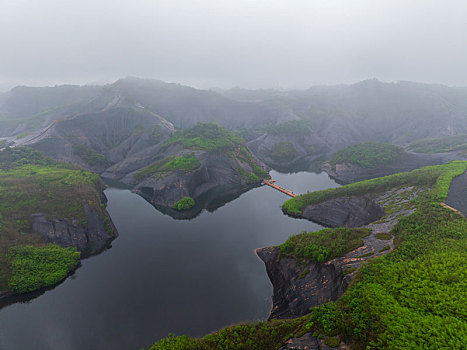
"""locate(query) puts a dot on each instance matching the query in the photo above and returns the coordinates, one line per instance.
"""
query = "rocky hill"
(50, 215)
(329, 117)
(203, 163)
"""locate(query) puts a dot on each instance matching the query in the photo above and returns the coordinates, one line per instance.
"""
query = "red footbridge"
(280, 189)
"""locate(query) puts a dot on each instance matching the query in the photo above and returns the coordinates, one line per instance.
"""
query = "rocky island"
(204, 163)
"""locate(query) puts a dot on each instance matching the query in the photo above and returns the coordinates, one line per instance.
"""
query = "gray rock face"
(217, 170)
(72, 233)
(354, 211)
(128, 137)
(293, 296)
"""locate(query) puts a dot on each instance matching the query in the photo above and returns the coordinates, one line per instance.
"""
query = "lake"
(163, 275)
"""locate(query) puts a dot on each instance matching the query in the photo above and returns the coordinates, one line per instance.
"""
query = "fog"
(248, 43)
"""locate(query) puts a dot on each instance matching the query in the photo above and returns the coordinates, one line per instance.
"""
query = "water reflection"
(164, 275)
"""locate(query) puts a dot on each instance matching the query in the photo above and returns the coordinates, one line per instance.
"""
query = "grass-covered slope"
(186, 162)
(29, 184)
(440, 145)
(367, 155)
(412, 298)
(323, 245)
(425, 176)
(207, 137)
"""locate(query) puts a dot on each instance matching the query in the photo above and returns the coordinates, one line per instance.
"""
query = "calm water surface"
(163, 275)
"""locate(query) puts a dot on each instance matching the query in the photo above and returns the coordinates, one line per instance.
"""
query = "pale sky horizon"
(252, 44)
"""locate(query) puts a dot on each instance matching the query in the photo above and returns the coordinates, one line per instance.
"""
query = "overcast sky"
(216, 43)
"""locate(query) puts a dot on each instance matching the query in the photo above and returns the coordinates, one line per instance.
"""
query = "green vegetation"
(383, 236)
(252, 179)
(440, 145)
(333, 342)
(31, 183)
(284, 152)
(292, 127)
(90, 156)
(323, 245)
(186, 162)
(257, 336)
(37, 267)
(426, 176)
(412, 298)
(367, 155)
(184, 204)
(207, 137)
(15, 157)
(260, 172)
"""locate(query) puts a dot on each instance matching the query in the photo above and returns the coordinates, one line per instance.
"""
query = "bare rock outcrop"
(294, 293)
(89, 238)
(353, 211)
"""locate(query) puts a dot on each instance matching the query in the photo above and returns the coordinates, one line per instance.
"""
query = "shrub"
(252, 179)
(37, 267)
(184, 204)
(260, 172)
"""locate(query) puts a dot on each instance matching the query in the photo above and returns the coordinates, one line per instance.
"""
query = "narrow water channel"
(163, 275)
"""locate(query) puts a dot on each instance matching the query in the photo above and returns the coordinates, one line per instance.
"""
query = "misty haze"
(210, 175)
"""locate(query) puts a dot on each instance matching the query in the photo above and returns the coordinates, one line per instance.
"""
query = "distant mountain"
(336, 116)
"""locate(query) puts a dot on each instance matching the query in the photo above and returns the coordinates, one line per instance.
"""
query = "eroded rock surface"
(354, 211)
(300, 285)
(294, 294)
(219, 176)
(89, 238)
